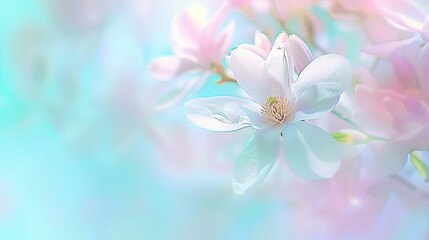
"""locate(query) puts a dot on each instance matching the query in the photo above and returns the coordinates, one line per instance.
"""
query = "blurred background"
(83, 155)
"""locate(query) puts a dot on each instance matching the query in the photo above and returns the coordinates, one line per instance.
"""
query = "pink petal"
(372, 116)
(223, 43)
(366, 98)
(215, 22)
(407, 127)
(300, 51)
(423, 69)
(416, 107)
(393, 103)
(280, 9)
(185, 31)
(207, 41)
(425, 31)
(379, 30)
(404, 70)
(371, 122)
(403, 14)
(166, 68)
(387, 49)
(262, 41)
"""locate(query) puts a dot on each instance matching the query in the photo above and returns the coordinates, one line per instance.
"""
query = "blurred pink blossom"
(408, 16)
(398, 123)
(349, 204)
(198, 50)
(251, 7)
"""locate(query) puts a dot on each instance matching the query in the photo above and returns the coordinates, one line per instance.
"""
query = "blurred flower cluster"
(344, 99)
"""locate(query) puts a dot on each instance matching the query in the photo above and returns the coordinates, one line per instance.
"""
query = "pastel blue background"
(77, 161)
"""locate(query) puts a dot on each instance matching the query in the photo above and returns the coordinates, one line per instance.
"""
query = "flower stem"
(224, 77)
(344, 118)
(353, 124)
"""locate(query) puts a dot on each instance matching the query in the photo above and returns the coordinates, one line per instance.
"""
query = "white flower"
(278, 108)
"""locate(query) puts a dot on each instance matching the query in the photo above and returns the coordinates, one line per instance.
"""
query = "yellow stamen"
(277, 109)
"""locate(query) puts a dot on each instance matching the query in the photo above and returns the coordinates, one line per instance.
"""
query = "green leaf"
(421, 166)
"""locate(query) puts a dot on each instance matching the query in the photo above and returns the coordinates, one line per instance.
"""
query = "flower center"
(276, 109)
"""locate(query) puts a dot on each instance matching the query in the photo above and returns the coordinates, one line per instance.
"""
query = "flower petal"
(424, 33)
(223, 43)
(248, 68)
(166, 68)
(225, 113)
(423, 70)
(326, 68)
(262, 41)
(385, 157)
(403, 14)
(387, 49)
(278, 66)
(186, 31)
(403, 70)
(281, 38)
(178, 89)
(259, 51)
(420, 139)
(256, 160)
(215, 21)
(311, 152)
(300, 51)
(320, 84)
(317, 100)
(211, 47)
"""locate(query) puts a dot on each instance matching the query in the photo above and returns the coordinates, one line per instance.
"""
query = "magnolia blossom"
(277, 109)
(397, 122)
(198, 52)
(412, 54)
